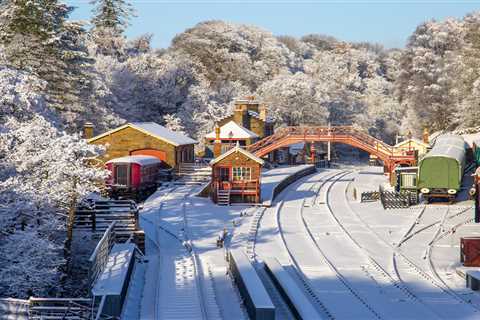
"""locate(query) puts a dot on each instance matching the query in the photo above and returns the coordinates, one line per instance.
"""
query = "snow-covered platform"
(302, 306)
(273, 179)
(114, 277)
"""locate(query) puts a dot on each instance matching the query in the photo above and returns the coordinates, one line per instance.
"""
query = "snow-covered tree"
(426, 82)
(112, 15)
(294, 100)
(174, 123)
(110, 19)
(44, 173)
(231, 52)
(37, 37)
(468, 75)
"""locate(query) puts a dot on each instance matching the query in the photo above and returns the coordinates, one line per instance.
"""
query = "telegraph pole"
(329, 146)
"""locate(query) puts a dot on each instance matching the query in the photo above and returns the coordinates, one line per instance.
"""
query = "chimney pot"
(426, 136)
(217, 133)
(88, 130)
(263, 112)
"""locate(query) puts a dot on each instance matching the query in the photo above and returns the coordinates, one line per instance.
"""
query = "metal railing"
(98, 259)
(362, 139)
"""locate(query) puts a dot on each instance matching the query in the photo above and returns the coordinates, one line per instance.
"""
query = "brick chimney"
(263, 112)
(88, 130)
(240, 113)
(426, 136)
(217, 144)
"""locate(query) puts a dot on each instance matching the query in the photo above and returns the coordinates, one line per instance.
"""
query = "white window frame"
(241, 173)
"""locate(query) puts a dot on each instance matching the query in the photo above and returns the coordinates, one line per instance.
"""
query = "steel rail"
(303, 278)
(396, 252)
(413, 266)
(344, 281)
(429, 252)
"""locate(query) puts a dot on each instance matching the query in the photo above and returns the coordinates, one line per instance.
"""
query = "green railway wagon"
(440, 171)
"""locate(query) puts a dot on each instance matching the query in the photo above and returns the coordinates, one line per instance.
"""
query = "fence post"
(94, 220)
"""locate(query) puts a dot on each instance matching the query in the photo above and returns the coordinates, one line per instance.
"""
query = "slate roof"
(238, 132)
(155, 130)
(237, 148)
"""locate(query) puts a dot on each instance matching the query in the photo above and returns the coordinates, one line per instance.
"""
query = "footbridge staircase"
(339, 134)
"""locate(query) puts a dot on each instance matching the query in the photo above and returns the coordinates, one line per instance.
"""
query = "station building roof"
(155, 130)
(237, 148)
(234, 131)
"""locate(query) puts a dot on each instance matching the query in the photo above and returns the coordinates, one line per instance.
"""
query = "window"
(121, 175)
(242, 173)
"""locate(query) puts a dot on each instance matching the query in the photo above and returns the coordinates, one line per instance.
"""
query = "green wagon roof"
(450, 146)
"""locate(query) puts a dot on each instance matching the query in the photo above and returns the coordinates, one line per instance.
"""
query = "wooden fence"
(98, 215)
(397, 200)
(47, 308)
(368, 196)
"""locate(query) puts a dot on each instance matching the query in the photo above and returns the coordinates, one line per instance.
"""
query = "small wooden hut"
(236, 177)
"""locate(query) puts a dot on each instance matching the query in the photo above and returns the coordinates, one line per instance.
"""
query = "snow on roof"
(471, 138)
(139, 159)
(155, 130)
(237, 148)
(238, 132)
(418, 141)
(251, 113)
(257, 115)
(448, 145)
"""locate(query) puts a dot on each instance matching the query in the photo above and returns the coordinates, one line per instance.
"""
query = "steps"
(193, 173)
(96, 216)
(223, 197)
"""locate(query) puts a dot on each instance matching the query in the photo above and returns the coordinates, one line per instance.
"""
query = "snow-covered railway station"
(239, 173)
(348, 259)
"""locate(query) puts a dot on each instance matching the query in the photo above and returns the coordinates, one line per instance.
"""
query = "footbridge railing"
(341, 134)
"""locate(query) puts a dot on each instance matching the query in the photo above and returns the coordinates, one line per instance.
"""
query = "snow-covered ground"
(193, 284)
(384, 264)
(349, 252)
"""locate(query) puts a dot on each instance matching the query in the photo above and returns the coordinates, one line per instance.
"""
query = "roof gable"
(238, 132)
(237, 148)
(412, 140)
(152, 129)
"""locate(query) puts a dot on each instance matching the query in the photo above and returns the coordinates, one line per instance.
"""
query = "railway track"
(408, 275)
(440, 234)
(387, 298)
(185, 296)
(432, 277)
(314, 266)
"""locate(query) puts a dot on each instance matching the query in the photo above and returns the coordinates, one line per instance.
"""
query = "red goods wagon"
(470, 251)
(133, 176)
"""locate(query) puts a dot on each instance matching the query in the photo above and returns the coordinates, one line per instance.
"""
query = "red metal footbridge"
(339, 134)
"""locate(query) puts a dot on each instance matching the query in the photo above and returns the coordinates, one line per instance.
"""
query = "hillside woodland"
(56, 74)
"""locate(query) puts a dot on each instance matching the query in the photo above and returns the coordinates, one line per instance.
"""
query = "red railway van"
(133, 176)
(470, 251)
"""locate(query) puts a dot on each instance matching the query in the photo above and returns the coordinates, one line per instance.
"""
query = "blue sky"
(385, 22)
